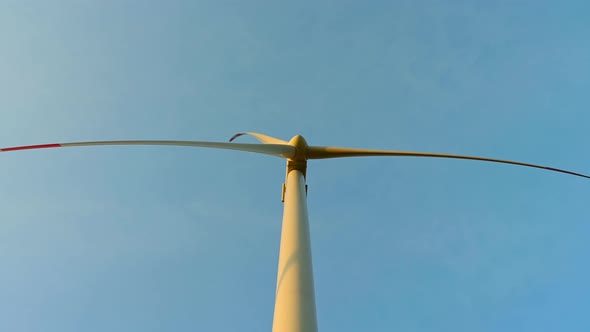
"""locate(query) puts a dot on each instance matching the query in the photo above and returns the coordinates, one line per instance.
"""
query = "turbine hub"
(299, 160)
(301, 146)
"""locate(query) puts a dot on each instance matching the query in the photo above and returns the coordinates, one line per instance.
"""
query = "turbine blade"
(261, 138)
(277, 150)
(323, 152)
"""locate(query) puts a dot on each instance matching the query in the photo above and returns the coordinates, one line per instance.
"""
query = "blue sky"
(181, 239)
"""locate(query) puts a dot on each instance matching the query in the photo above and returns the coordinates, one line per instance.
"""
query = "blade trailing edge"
(260, 137)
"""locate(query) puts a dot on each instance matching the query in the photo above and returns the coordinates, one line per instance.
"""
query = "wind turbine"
(294, 309)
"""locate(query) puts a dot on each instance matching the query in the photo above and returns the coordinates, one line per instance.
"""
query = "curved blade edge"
(277, 150)
(324, 152)
(260, 137)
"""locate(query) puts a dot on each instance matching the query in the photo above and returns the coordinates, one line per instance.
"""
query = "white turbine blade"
(323, 152)
(261, 138)
(277, 150)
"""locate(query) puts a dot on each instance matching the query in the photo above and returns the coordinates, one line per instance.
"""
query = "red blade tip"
(29, 147)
